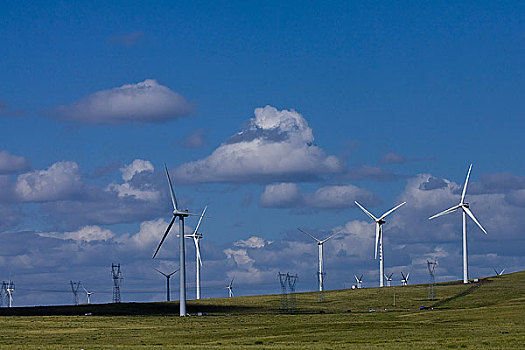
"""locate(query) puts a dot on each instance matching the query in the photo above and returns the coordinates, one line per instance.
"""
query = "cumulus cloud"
(252, 242)
(62, 180)
(10, 163)
(145, 191)
(287, 195)
(144, 102)
(275, 145)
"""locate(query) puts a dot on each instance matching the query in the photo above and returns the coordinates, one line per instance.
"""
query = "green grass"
(489, 314)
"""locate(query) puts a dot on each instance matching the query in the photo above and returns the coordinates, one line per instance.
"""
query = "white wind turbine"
(182, 258)
(379, 236)
(196, 238)
(230, 288)
(88, 294)
(359, 281)
(498, 273)
(320, 245)
(389, 279)
(404, 281)
(466, 211)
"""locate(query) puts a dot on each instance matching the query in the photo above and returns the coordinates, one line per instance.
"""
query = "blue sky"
(276, 115)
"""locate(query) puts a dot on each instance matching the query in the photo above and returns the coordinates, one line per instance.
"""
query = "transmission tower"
(117, 277)
(292, 279)
(284, 296)
(74, 288)
(321, 276)
(431, 268)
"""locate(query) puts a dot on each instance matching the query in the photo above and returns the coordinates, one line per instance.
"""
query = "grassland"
(488, 314)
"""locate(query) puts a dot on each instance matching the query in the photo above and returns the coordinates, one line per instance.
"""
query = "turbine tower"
(167, 282)
(196, 238)
(379, 236)
(88, 294)
(466, 211)
(230, 288)
(182, 258)
(320, 245)
(404, 281)
(359, 281)
(389, 279)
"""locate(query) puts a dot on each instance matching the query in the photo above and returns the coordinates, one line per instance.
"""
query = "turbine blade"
(449, 210)
(501, 273)
(334, 234)
(200, 219)
(408, 275)
(465, 186)
(403, 275)
(173, 198)
(469, 213)
(173, 272)
(162, 273)
(391, 210)
(378, 232)
(356, 279)
(306, 233)
(496, 271)
(164, 237)
(366, 211)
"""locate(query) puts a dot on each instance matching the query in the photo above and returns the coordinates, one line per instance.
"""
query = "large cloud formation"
(274, 146)
(144, 102)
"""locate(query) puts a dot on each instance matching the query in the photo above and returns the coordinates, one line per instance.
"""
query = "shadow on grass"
(125, 309)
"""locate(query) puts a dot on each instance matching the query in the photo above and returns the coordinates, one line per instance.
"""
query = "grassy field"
(488, 314)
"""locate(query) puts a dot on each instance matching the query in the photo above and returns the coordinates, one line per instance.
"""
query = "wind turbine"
(230, 288)
(466, 211)
(88, 294)
(182, 258)
(404, 281)
(320, 245)
(167, 282)
(359, 281)
(389, 279)
(379, 236)
(196, 238)
(498, 273)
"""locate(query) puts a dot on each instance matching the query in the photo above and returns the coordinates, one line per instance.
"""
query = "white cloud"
(252, 242)
(85, 234)
(136, 167)
(146, 192)
(61, 180)
(286, 195)
(144, 102)
(282, 195)
(151, 232)
(10, 163)
(274, 145)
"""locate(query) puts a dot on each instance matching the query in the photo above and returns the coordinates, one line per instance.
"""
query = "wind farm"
(214, 175)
